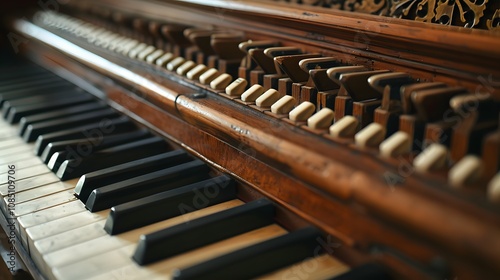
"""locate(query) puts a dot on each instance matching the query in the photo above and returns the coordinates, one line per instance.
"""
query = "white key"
(221, 82)
(21, 164)
(153, 56)
(175, 63)
(268, 98)
(26, 173)
(494, 189)
(320, 267)
(44, 202)
(322, 119)
(466, 171)
(302, 112)
(397, 144)
(15, 150)
(185, 67)
(237, 87)
(345, 127)
(12, 159)
(11, 142)
(431, 158)
(63, 224)
(209, 75)
(196, 72)
(31, 183)
(251, 94)
(145, 52)
(284, 105)
(47, 215)
(45, 190)
(165, 267)
(370, 136)
(82, 251)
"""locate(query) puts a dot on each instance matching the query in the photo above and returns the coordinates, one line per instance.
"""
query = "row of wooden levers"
(437, 128)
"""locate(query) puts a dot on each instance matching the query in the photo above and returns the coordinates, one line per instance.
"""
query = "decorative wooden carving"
(482, 14)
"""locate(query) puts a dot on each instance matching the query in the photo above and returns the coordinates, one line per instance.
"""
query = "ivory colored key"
(370, 136)
(185, 67)
(67, 238)
(75, 255)
(125, 49)
(196, 72)
(397, 144)
(63, 224)
(151, 58)
(319, 267)
(284, 105)
(322, 119)
(268, 98)
(147, 51)
(47, 215)
(251, 94)
(494, 189)
(175, 63)
(209, 75)
(221, 82)
(31, 183)
(163, 269)
(119, 41)
(164, 59)
(26, 173)
(345, 127)
(302, 112)
(45, 190)
(466, 171)
(19, 165)
(136, 50)
(44, 202)
(237, 87)
(432, 158)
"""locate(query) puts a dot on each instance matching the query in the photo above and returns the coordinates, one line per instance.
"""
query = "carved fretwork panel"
(483, 14)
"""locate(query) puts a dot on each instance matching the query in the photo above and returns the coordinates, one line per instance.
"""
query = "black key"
(145, 185)
(16, 113)
(72, 110)
(203, 231)
(16, 71)
(37, 99)
(87, 146)
(95, 129)
(91, 181)
(258, 259)
(78, 166)
(34, 130)
(22, 80)
(35, 90)
(30, 83)
(370, 271)
(169, 204)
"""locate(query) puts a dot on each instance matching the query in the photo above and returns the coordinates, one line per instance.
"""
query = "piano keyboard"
(377, 112)
(93, 196)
